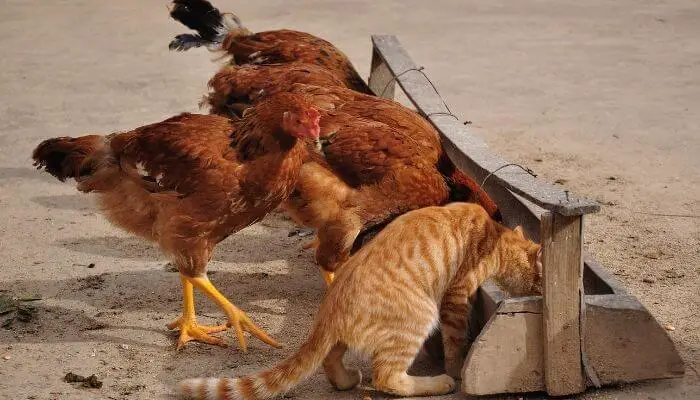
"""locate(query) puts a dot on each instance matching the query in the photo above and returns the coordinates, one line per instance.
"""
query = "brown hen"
(189, 182)
(235, 88)
(224, 32)
(381, 158)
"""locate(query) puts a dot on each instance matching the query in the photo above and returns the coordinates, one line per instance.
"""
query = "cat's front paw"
(444, 384)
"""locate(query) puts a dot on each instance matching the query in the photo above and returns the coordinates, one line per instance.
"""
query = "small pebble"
(6, 358)
(670, 327)
(91, 265)
(124, 346)
(648, 280)
(612, 178)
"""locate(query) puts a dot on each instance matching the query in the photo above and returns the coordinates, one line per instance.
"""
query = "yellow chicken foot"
(187, 323)
(236, 318)
(328, 276)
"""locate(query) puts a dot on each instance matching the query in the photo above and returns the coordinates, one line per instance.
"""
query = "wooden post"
(381, 80)
(562, 264)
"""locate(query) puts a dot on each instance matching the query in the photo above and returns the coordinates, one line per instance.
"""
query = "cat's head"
(520, 272)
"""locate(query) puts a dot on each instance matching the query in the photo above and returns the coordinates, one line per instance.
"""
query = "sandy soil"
(578, 91)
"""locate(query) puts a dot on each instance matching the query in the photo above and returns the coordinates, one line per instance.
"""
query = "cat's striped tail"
(265, 384)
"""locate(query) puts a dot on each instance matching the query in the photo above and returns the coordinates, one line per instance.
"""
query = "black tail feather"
(66, 157)
(187, 41)
(198, 15)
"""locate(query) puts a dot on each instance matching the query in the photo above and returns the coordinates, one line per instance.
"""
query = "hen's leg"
(236, 318)
(187, 323)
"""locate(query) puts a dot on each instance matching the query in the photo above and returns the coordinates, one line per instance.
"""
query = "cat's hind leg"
(339, 376)
(392, 359)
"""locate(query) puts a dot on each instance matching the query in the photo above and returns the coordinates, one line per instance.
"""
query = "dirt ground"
(603, 97)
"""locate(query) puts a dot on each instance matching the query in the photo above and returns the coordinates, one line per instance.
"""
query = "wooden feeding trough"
(585, 330)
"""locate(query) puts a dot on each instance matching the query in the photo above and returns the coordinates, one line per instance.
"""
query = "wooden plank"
(603, 274)
(467, 151)
(562, 286)
(492, 296)
(624, 343)
(507, 355)
(381, 81)
(527, 304)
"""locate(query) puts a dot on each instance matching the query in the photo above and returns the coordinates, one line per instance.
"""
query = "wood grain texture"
(507, 356)
(562, 286)
(381, 81)
(467, 151)
(625, 343)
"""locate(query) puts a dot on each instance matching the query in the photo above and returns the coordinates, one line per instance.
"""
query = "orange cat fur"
(390, 295)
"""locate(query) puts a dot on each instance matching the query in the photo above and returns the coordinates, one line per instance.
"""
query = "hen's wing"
(234, 87)
(281, 46)
(362, 152)
(179, 155)
(410, 131)
(285, 46)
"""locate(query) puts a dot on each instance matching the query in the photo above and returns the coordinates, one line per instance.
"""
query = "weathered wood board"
(380, 81)
(562, 288)
(507, 356)
(624, 343)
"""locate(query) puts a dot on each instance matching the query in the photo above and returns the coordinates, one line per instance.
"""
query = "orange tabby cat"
(390, 295)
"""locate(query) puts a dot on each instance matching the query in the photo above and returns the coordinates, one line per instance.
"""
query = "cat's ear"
(519, 231)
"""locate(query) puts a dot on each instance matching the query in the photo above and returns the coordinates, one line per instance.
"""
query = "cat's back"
(418, 252)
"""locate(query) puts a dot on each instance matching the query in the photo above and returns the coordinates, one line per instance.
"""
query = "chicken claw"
(236, 318)
(328, 276)
(190, 330)
(241, 322)
(187, 323)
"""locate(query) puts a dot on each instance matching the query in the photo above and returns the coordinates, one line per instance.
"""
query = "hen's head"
(294, 115)
(302, 123)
